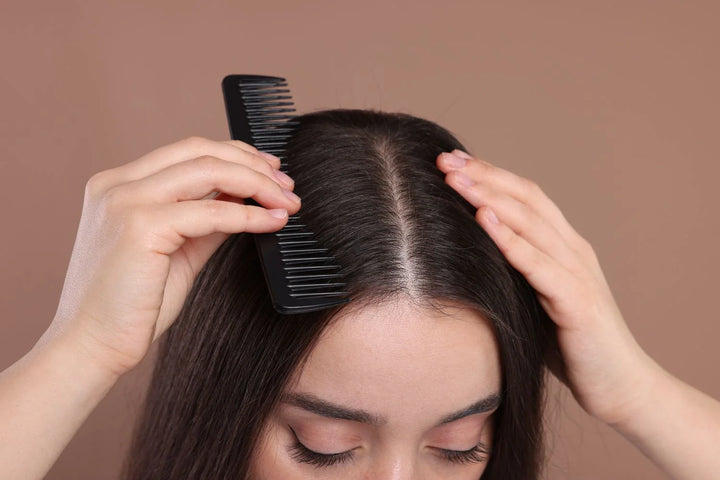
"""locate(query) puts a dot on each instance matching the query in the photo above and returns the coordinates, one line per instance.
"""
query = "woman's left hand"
(607, 371)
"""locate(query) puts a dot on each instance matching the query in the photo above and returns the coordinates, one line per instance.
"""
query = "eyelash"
(300, 453)
(477, 454)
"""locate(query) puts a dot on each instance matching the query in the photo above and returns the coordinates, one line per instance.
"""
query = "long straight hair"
(374, 197)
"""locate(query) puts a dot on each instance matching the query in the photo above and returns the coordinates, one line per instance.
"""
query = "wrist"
(85, 339)
(647, 380)
(69, 355)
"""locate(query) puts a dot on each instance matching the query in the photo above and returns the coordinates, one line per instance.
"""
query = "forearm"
(44, 398)
(678, 428)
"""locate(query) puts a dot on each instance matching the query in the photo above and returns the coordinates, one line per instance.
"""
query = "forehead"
(404, 361)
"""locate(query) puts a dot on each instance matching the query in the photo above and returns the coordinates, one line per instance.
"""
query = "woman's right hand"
(147, 228)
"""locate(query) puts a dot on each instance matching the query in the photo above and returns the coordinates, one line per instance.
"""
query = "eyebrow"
(487, 404)
(315, 405)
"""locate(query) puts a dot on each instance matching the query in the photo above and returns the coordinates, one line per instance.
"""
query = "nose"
(393, 466)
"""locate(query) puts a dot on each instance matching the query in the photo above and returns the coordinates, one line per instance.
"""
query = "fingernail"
(291, 196)
(490, 215)
(462, 154)
(283, 177)
(453, 161)
(464, 180)
(278, 212)
(269, 156)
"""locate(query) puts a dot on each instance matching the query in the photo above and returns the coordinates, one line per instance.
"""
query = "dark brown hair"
(373, 195)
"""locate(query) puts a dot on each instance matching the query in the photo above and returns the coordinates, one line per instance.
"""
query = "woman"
(465, 280)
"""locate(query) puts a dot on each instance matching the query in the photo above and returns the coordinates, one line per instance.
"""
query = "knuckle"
(492, 171)
(214, 209)
(583, 246)
(264, 165)
(206, 161)
(205, 166)
(532, 189)
(590, 252)
(527, 221)
(259, 164)
(248, 147)
(485, 168)
(242, 145)
(576, 266)
(96, 184)
(268, 173)
(259, 182)
(195, 142)
(242, 217)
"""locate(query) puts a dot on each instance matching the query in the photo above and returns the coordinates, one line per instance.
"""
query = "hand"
(147, 228)
(602, 363)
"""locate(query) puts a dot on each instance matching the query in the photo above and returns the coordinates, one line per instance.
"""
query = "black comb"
(299, 273)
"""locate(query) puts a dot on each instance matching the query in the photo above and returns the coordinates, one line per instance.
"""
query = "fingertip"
(295, 208)
(279, 213)
(487, 217)
(462, 154)
(284, 178)
(490, 216)
(450, 161)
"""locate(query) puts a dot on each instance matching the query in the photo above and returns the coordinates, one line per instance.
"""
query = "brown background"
(612, 107)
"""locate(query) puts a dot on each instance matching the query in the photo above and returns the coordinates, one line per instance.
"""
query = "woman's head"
(440, 349)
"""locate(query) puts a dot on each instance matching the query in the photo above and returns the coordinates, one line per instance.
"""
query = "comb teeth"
(299, 273)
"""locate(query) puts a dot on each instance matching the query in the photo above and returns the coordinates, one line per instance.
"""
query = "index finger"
(184, 150)
(272, 159)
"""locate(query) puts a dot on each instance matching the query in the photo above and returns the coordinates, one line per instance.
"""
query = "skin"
(149, 226)
(407, 367)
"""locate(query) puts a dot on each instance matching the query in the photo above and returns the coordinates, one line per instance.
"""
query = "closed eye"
(302, 454)
(479, 453)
